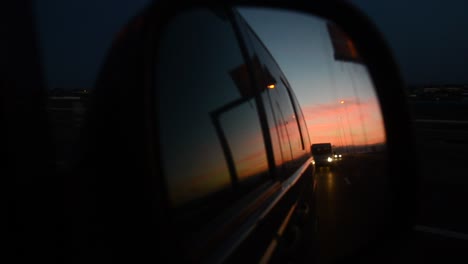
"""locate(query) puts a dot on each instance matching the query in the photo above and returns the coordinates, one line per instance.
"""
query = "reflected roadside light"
(271, 86)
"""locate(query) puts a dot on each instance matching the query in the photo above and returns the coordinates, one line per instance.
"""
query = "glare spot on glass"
(271, 86)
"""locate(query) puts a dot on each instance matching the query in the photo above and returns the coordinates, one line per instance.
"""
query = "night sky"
(75, 36)
(429, 38)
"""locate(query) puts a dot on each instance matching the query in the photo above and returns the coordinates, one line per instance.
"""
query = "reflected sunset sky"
(302, 47)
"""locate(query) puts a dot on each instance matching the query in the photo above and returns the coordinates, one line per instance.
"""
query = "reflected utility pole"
(344, 144)
(361, 120)
(349, 124)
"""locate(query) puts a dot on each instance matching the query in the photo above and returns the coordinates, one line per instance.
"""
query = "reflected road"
(350, 204)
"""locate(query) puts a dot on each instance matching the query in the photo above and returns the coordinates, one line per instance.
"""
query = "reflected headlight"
(329, 159)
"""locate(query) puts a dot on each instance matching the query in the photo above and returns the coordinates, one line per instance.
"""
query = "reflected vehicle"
(323, 155)
(337, 156)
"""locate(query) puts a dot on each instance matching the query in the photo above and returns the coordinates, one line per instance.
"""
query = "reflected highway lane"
(334, 212)
(350, 205)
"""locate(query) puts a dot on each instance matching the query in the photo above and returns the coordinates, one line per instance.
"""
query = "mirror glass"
(299, 76)
(344, 122)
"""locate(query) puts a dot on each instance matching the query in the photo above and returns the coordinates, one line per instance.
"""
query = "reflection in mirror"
(244, 109)
(344, 122)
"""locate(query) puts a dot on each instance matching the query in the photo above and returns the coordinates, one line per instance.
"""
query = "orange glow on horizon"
(351, 124)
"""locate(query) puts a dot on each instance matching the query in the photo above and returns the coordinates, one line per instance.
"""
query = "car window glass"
(210, 133)
(300, 117)
(279, 96)
(285, 130)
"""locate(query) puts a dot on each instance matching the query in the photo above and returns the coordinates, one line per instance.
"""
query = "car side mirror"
(270, 132)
